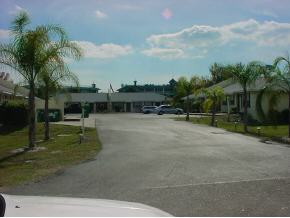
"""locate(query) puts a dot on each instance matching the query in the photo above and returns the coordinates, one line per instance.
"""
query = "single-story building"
(233, 101)
(115, 102)
(11, 91)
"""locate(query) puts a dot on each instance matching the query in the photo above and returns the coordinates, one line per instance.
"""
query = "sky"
(154, 41)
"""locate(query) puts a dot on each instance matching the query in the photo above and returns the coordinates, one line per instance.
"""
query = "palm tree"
(219, 73)
(213, 97)
(50, 81)
(280, 79)
(186, 87)
(245, 75)
(30, 51)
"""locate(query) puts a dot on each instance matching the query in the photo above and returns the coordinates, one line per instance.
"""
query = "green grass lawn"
(266, 131)
(60, 152)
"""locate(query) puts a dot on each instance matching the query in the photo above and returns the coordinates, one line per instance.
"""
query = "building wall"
(281, 105)
(52, 104)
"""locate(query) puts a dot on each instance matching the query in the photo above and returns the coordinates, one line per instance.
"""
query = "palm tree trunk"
(245, 118)
(46, 115)
(289, 115)
(213, 112)
(31, 115)
(187, 108)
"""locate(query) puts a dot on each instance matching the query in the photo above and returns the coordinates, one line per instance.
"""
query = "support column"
(125, 108)
(95, 108)
(131, 106)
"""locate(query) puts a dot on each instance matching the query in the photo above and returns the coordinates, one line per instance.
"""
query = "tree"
(49, 82)
(245, 75)
(213, 97)
(30, 51)
(279, 78)
(186, 87)
(219, 73)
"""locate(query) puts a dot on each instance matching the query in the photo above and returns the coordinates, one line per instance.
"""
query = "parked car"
(148, 109)
(168, 109)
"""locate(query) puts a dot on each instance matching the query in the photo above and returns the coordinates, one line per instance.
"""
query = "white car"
(23, 206)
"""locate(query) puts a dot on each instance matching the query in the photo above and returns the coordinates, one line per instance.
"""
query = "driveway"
(184, 169)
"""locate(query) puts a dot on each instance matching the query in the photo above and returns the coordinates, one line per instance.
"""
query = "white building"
(115, 102)
(234, 93)
(233, 101)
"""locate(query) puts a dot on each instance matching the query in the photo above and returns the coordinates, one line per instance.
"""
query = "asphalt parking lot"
(184, 169)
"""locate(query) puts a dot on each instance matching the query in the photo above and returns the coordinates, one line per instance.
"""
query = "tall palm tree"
(186, 87)
(213, 97)
(280, 79)
(30, 51)
(245, 75)
(50, 81)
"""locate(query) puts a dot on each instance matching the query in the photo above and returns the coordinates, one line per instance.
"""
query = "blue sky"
(153, 41)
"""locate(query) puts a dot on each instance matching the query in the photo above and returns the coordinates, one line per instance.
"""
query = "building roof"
(237, 88)
(222, 84)
(85, 89)
(8, 87)
(115, 97)
(166, 88)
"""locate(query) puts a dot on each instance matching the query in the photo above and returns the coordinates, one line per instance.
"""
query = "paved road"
(184, 169)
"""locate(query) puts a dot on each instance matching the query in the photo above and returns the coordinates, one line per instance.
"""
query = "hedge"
(14, 112)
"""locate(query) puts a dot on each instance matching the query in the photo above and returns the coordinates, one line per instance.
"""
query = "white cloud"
(103, 51)
(100, 14)
(17, 9)
(4, 34)
(199, 38)
(164, 53)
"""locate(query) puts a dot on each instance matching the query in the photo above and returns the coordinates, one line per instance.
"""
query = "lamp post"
(259, 131)
(83, 122)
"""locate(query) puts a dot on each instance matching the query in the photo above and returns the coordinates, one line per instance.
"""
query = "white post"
(83, 121)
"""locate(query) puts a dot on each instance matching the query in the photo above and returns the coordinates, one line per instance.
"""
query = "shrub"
(14, 112)
(234, 110)
(275, 117)
(284, 116)
(252, 121)
(207, 104)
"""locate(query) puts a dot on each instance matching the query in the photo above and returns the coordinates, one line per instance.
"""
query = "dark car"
(168, 109)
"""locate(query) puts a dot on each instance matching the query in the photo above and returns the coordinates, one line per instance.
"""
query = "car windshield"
(145, 108)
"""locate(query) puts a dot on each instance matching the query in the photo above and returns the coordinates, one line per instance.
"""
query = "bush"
(252, 121)
(284, 116)
(14, 112)
(234, 110)
(275, 117)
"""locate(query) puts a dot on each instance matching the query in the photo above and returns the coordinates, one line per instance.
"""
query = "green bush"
(14, 112)
(252, 121)
(284, 117)
(275, 117)
(234, 110)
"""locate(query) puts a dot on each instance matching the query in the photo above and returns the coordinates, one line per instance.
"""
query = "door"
(128, 107)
